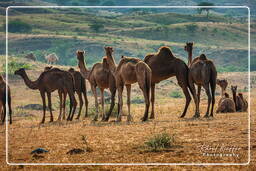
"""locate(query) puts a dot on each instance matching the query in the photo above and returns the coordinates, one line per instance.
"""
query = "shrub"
(13, 66)
(176, 94)
(19, 26)
(159, 142)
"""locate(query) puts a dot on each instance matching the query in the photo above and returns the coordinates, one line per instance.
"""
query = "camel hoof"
(206, 116)
(182, 116)
(129, 118)
(152, 117)
(143, 119)
(196, 116)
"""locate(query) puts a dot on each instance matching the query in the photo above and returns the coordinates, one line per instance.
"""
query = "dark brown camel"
(3, 86)
(99, 76)
(129, 71)
(223, 85)
(165, 65)
(226, 105)
(240, 102)
(202, 72)
(49, 81)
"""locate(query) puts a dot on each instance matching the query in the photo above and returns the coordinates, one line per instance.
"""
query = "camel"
(226, 105)
(101, 77)
(202, 72)
(240, 102)
(30, 56)
(51, 58)
(223, 85)
(49, 81)
(3, 86)
(165, 65)
(129, 71)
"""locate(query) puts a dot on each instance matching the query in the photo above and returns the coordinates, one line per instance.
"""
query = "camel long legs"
(64, 106)
(81, 103)
(102, 103)
(61, 100)
(152, 116)
(198, 93)
(86, 104)
(44, 105)
(207, 89)
(50, 105)
(113, 94)
(96, 102)
(120, 102)
(128, 88)
(193, 91)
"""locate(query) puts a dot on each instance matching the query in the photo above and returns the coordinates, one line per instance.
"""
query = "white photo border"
(133, 164)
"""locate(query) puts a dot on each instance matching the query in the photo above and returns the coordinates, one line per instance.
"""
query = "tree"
(19, 26)
(207, 10)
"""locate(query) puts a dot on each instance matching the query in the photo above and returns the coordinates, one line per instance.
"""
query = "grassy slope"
(134, 35)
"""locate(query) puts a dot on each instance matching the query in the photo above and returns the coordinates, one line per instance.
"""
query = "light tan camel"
(49, 81)
(129, 71)
(99, 76)
(3, 86)
(202, 72)
(240, 102)
(223, 85)
(226, 105)
(51, 58)
(165, 65)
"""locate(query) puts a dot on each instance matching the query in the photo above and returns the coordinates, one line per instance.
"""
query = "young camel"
(226, 105)
(129, 71)
(223, 85)
(202, 72)
(165, 65)
(99, 76)
(3, 86)
(80, 88)
(49, 81)
(240, 102)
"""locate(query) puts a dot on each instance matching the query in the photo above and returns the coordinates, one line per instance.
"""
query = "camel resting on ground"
(49, 81)
(226, 105)
(3, 86)
(240, 102)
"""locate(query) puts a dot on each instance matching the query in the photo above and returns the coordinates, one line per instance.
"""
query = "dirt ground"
(124, 142)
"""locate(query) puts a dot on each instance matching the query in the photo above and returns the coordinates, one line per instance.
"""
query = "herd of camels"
(107, 74)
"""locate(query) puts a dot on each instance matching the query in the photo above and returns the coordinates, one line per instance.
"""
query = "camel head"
(80, 55)
(233, 88)
(222, 83)
(20, 71)
(189, 46)
(47, 68)
(226, 95)
(109, 50)
(240, 95)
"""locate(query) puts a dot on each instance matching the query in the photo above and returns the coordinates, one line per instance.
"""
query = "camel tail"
(9, 101)
(142, 67)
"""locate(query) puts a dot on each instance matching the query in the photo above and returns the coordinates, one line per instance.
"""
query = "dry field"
(124, 142)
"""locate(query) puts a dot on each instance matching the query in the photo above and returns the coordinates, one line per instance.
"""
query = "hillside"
(221, 38)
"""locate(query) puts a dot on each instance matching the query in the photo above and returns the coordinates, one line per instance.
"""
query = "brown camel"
(49, 81)
(240, 102)
(99, 76)
(3, 86)
(223, 85)
(202, 72)
(129, 71)
(226, 105)
(165, 65)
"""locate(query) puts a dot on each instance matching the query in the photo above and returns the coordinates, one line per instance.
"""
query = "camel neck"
(83, 69)
(234, 98)
(222, 92)
(31, 84)
(111, 63)
(189, 58)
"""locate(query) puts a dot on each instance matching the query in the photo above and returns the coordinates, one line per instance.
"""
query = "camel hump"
(147, 57)
(202, 57)
(165, 51)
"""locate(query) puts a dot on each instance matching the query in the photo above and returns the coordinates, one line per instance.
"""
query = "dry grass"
(122, 142)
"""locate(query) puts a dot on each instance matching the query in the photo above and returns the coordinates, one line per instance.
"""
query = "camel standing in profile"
(202, 72)
(129, 71)
(165, 65)
(3, 86)
(240, 102)
(99, 76)
(49, 81)
(51, 58)
(226, 105)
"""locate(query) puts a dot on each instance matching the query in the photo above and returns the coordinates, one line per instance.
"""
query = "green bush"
(159, 142)
(176, 94)
(13, 66)
(19, 26)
